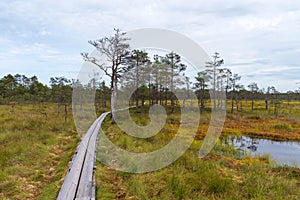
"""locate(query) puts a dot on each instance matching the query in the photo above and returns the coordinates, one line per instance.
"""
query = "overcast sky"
(260, 40)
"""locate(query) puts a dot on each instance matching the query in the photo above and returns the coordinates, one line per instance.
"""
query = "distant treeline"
(22, 89)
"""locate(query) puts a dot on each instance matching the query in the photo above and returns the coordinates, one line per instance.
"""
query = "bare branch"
(93, 60)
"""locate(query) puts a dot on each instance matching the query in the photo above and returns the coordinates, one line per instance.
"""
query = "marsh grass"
(264, 123)
(225, 173)
(283, 127)
(35, 150)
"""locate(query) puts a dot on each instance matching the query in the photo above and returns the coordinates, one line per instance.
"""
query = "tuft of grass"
(176, 186)
(138, 188)
(283, 127)
(254, 117)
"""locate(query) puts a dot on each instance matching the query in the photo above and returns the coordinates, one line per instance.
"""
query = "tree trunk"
(136, 98)
(241, 105)
(143, 101)
(113, 95)
(232, 104)
(66, 112)
(104, 98)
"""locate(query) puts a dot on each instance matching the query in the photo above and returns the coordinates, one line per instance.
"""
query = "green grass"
(283, 127)
(224, 174)
(35, 151)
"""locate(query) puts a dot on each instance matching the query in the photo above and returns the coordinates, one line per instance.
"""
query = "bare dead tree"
(116, 50)
(213, 70)
(235, 86)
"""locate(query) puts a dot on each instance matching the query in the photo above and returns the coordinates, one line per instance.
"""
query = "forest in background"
(16, 89)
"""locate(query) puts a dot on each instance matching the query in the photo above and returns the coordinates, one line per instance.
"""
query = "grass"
(262, 123)
(224, 174)
(216, 177)
(35, 150)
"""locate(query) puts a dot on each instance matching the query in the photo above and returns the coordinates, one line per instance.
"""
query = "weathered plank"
(78, 183)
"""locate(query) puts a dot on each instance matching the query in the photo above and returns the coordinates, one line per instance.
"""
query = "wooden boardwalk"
(79, 182)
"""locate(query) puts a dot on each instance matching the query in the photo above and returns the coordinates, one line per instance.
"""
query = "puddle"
(283, 153)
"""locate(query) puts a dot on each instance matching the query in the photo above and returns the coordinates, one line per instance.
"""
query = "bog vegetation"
(225, 173)
(36, 147)
(38, 135)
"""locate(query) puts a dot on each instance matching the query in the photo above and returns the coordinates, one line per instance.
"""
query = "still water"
(283, 153)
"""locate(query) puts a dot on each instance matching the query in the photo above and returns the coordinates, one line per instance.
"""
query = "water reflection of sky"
(281, 152)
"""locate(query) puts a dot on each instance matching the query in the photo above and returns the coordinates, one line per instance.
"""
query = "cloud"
(259, 24)
(250, 35)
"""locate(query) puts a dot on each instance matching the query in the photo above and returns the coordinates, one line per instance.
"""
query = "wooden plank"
(70, 185)
(86, 186)
(79, 181)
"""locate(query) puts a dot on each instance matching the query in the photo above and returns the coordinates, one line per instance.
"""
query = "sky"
(260, 40)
